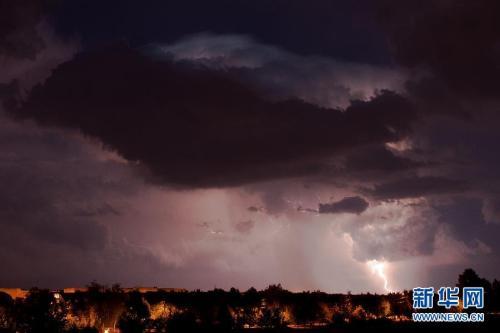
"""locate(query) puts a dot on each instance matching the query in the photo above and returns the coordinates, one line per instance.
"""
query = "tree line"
(101, 307)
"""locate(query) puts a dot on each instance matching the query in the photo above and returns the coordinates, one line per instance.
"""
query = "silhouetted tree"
(7, 313)
(108, 303)
(223, 320)
(40, 312)
(495, 295)
(469, 278)
(74, 329)
(135, 318)
(306, 308)
(159, 325)
(271, 318)
(212, 311)
(400, 304)
(183, 322)
(343, 311)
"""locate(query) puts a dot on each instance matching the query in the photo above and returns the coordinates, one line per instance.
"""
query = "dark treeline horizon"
(99, 307)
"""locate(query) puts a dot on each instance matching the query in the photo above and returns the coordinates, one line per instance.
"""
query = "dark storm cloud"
(491, 210)
(9, 94)
(464, 215)
(377, 158)
(104, 209)
(31, 261)
(466, 220)
(353, 205)
(457, 40)
(194, 126)
(48, 191)
(19, 20)
(7, 90)
(65, 214)
(413, 187)
(59, 195)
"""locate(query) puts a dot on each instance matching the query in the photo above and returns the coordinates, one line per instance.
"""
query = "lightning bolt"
(378, 268)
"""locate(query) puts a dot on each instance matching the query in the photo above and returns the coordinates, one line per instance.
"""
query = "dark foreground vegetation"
(112, 309)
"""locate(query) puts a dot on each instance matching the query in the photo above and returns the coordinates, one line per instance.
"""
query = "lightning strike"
(378, 268)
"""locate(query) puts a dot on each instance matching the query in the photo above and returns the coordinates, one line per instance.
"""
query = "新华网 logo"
(472, 297)
(448, 297)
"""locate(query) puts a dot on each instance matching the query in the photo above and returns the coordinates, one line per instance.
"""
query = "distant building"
(15, 292)
(142, 290)
(22, 293)
(74, 290)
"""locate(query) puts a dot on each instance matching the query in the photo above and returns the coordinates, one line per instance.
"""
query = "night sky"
(319, 144)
